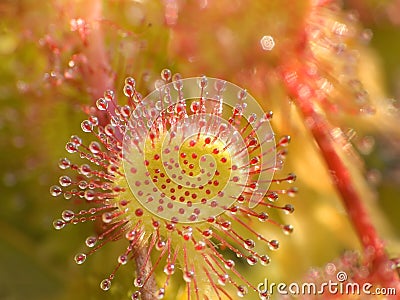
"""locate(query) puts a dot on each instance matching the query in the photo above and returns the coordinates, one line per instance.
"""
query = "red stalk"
(303, 97)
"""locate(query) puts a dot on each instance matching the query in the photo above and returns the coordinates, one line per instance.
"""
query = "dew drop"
(226, 225)
(242, 95)
(222, 279)
(68, 195)
(195, 106)
(67, 215)
(284, 141)
(130, 235)
(241, 291)
(109, 95)
(249, 244)
(136, 296)
(251, 260)
(89, 195)
(264, 295)
(263, 216)
(65, 181)
(55, 190)
(130, 81)
(105, 284)
(292, 192)
(177, 81)
(91, 241)
(289, 208)
(64, 163)
(76, 140)
(229, 264)
(264, 260)
(188, 276)
(94, 120)
(128, 91)
(272, 197)
(273, 245)
(220, 85)
(94, 147)
(59, 224)
(107, 217)
(101, 104)
(138, 282)
(166, 75)
(287, 229)
(160, 293)
(71, 147)
(160, 245)
(202, 82)
(291, 178)
(122, 259)
(80, 258)
(169, 269)
(86, 126)
(85, 169)
(207, 233)
(200, 245)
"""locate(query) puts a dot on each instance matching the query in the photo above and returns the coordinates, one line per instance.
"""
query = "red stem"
(321, 130)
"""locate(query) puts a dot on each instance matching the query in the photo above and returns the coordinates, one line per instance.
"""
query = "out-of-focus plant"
(308, 61)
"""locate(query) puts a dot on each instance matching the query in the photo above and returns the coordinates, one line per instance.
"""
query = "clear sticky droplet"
(136, 295)
(105, 284)
(202, 82)
(188, 276)
(229, 264)
(122, 259)
(265, 260)
(91, 241)
(68, 215)
(249, 244)
(109, 95)
(273, 245)
(64, 163)
(76, 140)
(87, 126)
(289, 208)
(80, 258)
(71, 147)
(166, 75)
(94, 147)
(160, 293)
(169, 269)
(55, 190)
(242, 291)
(101, 104)
(59, 224)
(130, 81)
(65, 181)
(252, 260)
(138, 282)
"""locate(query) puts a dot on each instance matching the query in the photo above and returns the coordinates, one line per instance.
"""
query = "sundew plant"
(197, 149)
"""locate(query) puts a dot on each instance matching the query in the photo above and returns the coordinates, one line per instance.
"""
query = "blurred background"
(48, 72)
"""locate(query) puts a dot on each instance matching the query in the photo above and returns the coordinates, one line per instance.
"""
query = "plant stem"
(296, 83)
(149, 288)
